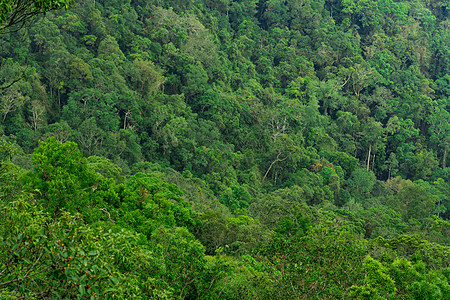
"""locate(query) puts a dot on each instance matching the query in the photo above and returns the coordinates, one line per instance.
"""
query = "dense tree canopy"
(224, 149)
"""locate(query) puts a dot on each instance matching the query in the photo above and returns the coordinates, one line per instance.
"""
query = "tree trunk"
(368, 158)
(59, 99)
(444, 157)
(271, 165)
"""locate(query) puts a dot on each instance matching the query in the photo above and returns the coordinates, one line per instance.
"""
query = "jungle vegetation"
(224, 149)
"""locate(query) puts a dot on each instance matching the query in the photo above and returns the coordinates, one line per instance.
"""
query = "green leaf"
(109, 290)
(114, 279)
(27, 260)
(82, 290)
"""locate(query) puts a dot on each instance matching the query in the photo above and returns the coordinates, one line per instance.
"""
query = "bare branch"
(109, 215)
(278, 159)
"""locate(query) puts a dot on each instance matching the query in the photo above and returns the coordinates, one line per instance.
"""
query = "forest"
(224, 149)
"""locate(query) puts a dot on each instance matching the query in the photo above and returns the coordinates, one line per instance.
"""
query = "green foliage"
(66, 258)
(226, 149)
(10, 174)
(151, 203)
(58, 175)
(236, 198)
(361, 183)
(15, 14)
(230, 235)
(382, 221)
(305, 264)
(377, 276)
(411, 200)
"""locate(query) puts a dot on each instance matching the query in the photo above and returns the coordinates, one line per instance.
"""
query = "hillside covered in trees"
(226, 149)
